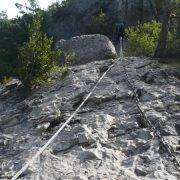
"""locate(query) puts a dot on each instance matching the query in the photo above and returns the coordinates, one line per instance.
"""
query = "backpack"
(119, 31)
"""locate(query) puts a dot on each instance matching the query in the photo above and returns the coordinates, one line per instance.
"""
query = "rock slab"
(108, 139)
(88, 48)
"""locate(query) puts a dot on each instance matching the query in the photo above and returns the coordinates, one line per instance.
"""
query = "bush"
(12, 35)
(101, 24)
(174, 37)
(36, 56)
(173, 45)
(143, 39)
(66, 3)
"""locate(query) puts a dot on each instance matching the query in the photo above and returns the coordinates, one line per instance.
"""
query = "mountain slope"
(108, 139)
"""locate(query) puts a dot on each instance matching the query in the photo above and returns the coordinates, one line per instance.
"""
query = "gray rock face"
(88, 48)
(75, 18)
(108, 139)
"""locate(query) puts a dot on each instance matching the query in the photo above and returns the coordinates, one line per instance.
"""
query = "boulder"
(87, 48)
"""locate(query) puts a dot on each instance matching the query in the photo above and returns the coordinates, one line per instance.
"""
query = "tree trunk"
(126, 12)
(162, 42)
(141, 11)
(154, 9)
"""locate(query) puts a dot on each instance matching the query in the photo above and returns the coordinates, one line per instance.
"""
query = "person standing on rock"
(120, 33)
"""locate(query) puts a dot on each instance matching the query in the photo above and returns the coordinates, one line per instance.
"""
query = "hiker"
(120, 32)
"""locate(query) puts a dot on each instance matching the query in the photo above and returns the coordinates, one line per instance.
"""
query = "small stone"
(43, 127)
(90, 155)
(129, 162)
(177, 97)
(177, 127)
(140, 171)
(145, 158)
(143, 134)
(148, 77)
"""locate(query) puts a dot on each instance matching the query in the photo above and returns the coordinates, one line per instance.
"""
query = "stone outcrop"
(108, 139)
(74, 19)
(87, 48)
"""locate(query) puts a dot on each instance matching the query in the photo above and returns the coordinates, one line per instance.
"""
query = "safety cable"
(156, 133)
(40, 151)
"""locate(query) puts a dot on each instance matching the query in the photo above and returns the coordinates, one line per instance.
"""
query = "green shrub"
(173, 45)
(101, 24)
(36, 56)
(66, 3)
(143, 39)
(13, 32)
(173, 49)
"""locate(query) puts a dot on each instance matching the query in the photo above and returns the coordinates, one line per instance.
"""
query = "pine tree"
(36, 56)
(170, 6)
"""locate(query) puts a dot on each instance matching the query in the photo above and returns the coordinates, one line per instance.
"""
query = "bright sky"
(9, 5)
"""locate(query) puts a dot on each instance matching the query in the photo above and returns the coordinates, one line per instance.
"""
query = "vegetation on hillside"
(142, 39)
(36, 58)
(25, 48)
(12, 34)
(158, 39)
(100, 24)
(168, 25)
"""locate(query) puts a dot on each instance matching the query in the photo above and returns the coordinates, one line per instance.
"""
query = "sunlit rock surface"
(108, 139)
(87, 48)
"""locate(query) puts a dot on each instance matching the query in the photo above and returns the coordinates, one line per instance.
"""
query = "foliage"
(35, 56)
(3, 15)
(178, 19)
(159, 6)
(178, 14)
(66, 59)
(15, 51)
(12, 34)
(173, 39)
(176, 41)
(101, 24)
(173, 44)
(4, 62)
(143, 38)
(66, 3)
(31, 8)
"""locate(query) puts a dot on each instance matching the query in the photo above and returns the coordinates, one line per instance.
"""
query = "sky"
(12, 11)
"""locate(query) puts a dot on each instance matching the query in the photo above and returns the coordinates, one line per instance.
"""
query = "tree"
(36, 56)
(33, 4)
(141, 11)
(178, 19)
(33, 7)
(126, 11)
(13, 32)
(170, 6)
(101, 24)
(3, 15)
(155, 8)
(8, 46)
(158, 9)
(142, 39)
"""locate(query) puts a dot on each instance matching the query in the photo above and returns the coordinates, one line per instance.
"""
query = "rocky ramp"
(108, 139)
